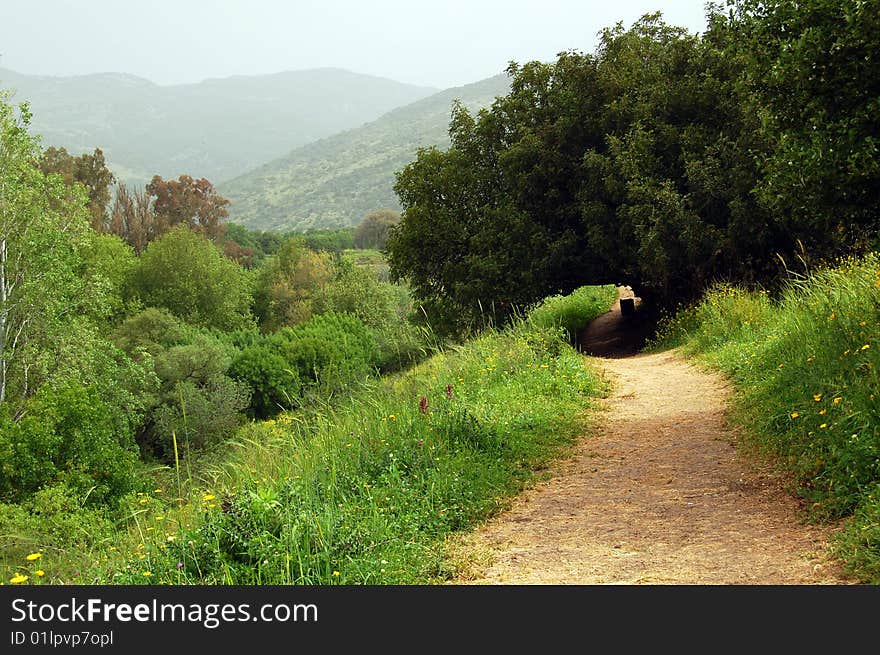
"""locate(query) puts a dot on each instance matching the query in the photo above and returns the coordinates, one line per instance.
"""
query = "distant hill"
(335, 181)
(218, 128)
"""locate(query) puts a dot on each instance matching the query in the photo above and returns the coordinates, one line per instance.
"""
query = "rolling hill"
(334, 181)
(218, 128)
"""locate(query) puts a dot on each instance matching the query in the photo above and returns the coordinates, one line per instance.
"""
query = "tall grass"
(363, 489)
(806, 369)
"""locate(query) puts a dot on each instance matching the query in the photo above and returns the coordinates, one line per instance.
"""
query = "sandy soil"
(657, 494)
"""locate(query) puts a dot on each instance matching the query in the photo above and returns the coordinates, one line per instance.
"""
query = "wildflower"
(39, 573)
(33, 557)
(208, 497)
(832, 317)
(449, 392)
(392, 417)
(170, 537)
(18, 579)
(817, 397)
(822, 411)
(419, 442)
(823, 426)
(157, 491)
(144, 501)
(423, 404)
(147, 574)
(794, 414)
(866, 346)
(335, 574)
(179, 566)
(836, 401)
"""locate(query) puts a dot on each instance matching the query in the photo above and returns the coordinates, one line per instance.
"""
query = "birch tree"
(41, 223)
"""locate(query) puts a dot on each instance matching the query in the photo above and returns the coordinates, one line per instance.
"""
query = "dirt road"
(655, 495)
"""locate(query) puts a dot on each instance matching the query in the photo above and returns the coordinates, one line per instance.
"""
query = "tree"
(185, 201)
(812, 66)
(132, 218)
(91, 171)
(186, 274)
(373, 229)
(288, 284)
(42, 223)
(635, 164)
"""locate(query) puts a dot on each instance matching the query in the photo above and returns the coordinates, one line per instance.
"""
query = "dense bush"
(67, 435)
(330, 351)
(186, 274)
(274, 384)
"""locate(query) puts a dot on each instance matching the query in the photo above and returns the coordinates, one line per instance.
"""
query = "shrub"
(67, 435)
(329, 351)
(186, 274)
(275, 386)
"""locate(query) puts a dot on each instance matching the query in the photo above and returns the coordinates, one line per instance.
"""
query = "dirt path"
(657, 495)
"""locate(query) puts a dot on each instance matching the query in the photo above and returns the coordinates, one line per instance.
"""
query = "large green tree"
(186, 274)
(634, 164)
(43, 222)
(813, 67)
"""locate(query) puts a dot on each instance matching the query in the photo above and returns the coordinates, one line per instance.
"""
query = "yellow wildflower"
(836, 401)
(18, 579)
(866, 346)
(147, 574)
(817, 397)
(823, 426)
(832, 317)
(822, 411)
(794, 414)
(33, 557)
(39, 573)
(208, 497)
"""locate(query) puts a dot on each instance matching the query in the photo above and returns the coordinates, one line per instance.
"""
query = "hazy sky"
(442, 44)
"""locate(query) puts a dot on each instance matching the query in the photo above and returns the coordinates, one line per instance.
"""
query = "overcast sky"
(441, 44)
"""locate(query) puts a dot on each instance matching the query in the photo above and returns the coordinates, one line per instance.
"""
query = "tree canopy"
(664, 160)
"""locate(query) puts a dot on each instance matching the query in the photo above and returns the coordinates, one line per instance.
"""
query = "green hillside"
(218, 128)
(335, 181)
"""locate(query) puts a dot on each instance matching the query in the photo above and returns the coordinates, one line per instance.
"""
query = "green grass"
(356, 490)
(806, 369)
(574, 311)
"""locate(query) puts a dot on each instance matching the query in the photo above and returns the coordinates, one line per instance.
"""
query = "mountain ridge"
(334, 181)
(218, 128)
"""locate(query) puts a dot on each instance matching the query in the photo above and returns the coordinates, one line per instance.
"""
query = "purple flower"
(179, 566)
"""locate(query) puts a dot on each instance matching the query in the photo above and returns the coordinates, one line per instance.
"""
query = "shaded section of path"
(616, 335)
(656, 495)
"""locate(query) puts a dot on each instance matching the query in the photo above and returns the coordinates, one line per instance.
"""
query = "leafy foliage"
(287, 285)
(186, 274)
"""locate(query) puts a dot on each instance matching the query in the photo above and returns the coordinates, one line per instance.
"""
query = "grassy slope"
(334, 182)
(806, 370)
(360, 491)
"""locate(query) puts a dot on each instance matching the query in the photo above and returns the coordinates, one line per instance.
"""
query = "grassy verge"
(806, 369)
(357, 490)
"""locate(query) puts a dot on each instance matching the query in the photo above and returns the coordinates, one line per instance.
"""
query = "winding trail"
(656, 495)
